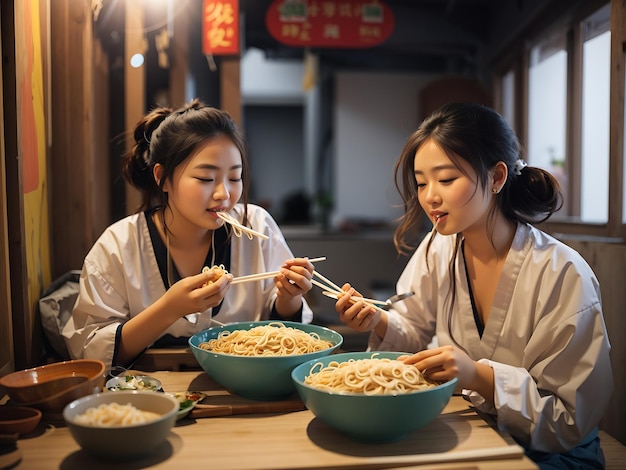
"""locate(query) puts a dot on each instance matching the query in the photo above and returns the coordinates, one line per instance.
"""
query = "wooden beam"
(134, 83)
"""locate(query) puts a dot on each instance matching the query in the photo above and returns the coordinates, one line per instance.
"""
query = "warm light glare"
(136, 60)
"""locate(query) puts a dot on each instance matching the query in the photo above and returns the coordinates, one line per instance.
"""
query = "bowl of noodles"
(121, 425)
(255, 359)
(370, 397)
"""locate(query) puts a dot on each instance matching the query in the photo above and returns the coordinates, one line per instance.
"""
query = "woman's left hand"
(444, 363)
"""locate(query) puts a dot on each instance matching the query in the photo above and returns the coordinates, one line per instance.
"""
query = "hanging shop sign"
(220, 27)
(329, 23)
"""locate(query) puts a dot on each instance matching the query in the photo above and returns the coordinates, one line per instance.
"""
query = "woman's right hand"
(355, 313)
(197, 293)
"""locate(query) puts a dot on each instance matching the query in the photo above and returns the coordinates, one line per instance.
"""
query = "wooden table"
(457, 439)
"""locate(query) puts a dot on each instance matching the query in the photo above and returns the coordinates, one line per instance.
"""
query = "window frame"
(518, 61)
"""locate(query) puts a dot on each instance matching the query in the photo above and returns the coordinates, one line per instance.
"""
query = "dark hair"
(169, 137)
(481, 137)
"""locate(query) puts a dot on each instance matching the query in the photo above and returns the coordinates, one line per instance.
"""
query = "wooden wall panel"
(100, 164)
(6, 324)
(608, 261)
(134, 84)
(72, 144)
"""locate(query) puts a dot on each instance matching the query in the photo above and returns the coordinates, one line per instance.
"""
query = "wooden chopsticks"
(267, 275)
(210, 411)
(330, 289)
(254, 277)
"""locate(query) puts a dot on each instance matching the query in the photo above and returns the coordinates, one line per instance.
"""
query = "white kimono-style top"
(545, 336)
(121, 278)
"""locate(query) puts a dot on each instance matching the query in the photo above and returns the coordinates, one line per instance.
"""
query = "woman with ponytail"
(516, 314)
(144, 282)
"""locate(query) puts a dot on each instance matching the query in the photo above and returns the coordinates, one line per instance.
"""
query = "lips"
(437, 217)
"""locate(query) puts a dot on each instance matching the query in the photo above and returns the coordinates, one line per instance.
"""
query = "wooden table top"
(457, 439)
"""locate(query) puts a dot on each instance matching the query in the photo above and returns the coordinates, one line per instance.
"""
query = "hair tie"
(519, 166)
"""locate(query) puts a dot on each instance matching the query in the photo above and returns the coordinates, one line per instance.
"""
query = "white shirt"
(120, 278)
(545, 336)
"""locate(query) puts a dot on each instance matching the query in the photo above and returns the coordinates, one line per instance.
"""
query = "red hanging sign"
(330, 23)
(220, 27)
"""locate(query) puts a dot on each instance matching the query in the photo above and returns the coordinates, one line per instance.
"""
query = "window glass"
(508, 97)
(547, 106)
(594, 204)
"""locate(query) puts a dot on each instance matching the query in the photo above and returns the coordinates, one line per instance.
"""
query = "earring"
(495, 190)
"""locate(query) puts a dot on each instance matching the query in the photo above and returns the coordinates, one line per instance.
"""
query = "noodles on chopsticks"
(273, 339)
(238, 228)
(373, 376)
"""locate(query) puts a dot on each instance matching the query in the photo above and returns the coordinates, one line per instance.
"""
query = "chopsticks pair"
(267, 275)
(330, 289)
(211, 411)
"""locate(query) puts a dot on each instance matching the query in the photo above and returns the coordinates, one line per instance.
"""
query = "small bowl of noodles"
(370, 396)
(122, 425)
(255, 359)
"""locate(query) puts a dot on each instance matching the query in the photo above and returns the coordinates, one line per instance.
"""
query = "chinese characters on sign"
(330, 23)
(220, 27)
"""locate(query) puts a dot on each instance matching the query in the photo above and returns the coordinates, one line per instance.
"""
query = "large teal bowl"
(372, 418)
(258, 378)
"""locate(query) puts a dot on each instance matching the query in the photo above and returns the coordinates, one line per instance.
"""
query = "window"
(508, 97)
(547, 109)
(562, 78)
(596, 66)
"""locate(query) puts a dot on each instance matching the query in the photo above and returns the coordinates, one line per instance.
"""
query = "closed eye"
(205, 180)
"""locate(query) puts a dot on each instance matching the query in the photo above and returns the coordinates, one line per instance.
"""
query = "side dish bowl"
(371, 418)
(129, 381)
(18, 419)
(122, 442)
(257, 377)
(52, 386)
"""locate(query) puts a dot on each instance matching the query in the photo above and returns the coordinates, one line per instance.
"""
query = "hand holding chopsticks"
(331, 289)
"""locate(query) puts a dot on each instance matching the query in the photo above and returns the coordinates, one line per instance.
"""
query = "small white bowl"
(133, 382)
(123, 442)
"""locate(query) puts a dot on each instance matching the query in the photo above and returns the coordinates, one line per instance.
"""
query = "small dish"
(18, 419)
(187, 401)
(134, 382)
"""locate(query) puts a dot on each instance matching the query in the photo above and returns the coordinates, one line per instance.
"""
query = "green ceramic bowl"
(372, 418)
(257, 378)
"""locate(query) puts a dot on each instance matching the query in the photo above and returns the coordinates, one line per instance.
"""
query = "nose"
(431, 195)
(221, 192)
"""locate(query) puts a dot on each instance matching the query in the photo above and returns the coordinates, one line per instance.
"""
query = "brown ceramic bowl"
(18, 419)
(52, 386)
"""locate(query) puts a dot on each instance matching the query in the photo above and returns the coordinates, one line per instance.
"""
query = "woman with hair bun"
(143, 283)
(516, 314)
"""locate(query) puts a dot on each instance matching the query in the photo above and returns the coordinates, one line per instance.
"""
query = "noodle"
(114, 414)
(273, 339)
(220, 271)
(238, 228)
(373, 376)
